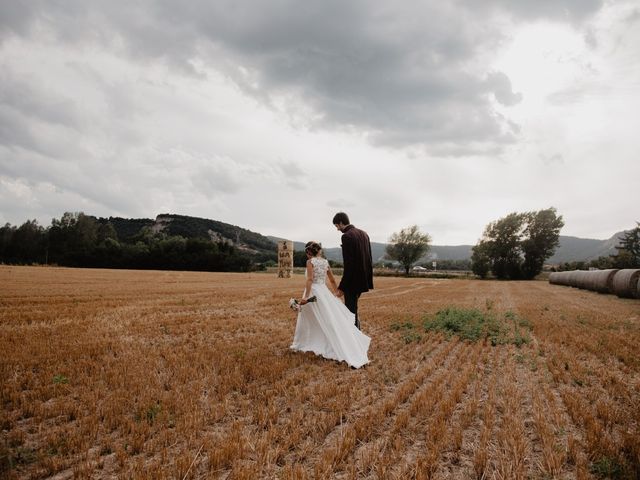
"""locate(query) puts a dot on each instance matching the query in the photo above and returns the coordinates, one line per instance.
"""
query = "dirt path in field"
(401, 290)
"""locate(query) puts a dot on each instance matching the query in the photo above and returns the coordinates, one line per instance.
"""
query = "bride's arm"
(332, 280)
(307, 287)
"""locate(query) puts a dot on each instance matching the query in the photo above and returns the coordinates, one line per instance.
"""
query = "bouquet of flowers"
(296, 304)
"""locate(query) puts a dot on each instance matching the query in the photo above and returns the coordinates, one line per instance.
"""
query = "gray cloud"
(633, 17)
(405, 74)
(501, 87)
(293, 175)
(214, 175)
(15, 17)
(591, 38)
(575, 11)
(18, 94)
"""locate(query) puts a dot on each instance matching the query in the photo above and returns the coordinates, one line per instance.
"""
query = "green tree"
(408, 246)
(629, 249)
(6, 237)
(480, 260)
(29, 240)
(73, 238)
(602, 262)
(85, 232)
(541, 237)
(106, 231)
(503, 238)
(517, 245)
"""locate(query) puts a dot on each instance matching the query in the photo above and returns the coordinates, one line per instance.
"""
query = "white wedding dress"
(326, 327)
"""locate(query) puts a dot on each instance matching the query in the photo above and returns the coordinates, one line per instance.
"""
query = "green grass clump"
(607, 468)
(402, 326)
(474, 325)
(58, 379)
(408, 331)
(411, 337)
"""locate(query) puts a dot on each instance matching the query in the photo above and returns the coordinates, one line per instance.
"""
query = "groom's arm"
(348, 259)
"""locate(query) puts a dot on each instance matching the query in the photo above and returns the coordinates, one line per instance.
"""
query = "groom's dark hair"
(342, 218)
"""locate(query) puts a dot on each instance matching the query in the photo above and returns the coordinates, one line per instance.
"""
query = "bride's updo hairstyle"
(312, 248)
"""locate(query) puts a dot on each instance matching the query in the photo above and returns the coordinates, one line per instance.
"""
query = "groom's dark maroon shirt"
(356, 256)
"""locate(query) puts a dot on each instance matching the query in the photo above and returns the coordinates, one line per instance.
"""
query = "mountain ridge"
(571, 248)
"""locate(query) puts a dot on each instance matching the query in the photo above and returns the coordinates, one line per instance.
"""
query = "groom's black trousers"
(351, 302)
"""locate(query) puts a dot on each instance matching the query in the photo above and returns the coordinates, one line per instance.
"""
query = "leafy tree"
(542, 236)
(602, 262)
(72, 239)
(61, 241)
(28, 242)
(503, 240)
(6, 236)
(85, 233)
(629, 249)
(575, 265)
(517, 245)
(480, 261)
(408, 246)
(106, 231)
(24, 244)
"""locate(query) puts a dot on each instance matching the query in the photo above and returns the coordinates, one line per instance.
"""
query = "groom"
(356, 256)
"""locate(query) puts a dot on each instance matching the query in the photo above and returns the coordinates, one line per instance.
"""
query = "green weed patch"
(475, 325)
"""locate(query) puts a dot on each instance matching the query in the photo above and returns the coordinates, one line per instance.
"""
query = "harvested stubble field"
(144, 374)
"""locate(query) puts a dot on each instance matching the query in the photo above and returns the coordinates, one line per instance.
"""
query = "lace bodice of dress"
(320, 267)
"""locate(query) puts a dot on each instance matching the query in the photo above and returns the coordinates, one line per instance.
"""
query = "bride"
(325, 326)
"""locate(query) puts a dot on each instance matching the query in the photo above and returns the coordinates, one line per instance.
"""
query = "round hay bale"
(555, 278)
(588, 279)
(559, 278)
(572, 281)
(580, 278)
(625, 283)
(601, 281)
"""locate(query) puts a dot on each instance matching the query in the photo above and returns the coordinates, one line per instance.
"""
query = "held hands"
(339, 293)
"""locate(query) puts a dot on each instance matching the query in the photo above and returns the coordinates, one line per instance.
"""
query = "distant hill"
(193, 227)
(127, 228)
(571, 249)
(575, 249)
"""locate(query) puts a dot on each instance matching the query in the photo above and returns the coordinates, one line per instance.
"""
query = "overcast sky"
(276, 115)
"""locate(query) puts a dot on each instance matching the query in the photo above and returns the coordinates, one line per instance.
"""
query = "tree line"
(515, 247)
(79, 240)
